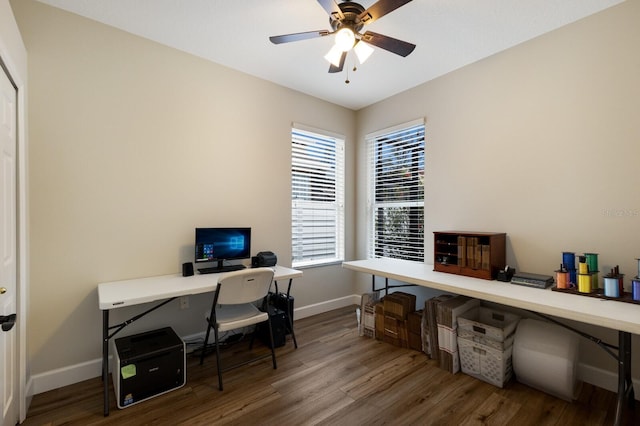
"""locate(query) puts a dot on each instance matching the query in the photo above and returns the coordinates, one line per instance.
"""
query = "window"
(396, 192)
(317, 198)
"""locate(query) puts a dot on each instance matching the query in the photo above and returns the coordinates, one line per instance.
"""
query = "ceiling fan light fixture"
(363, 51)
(334, 55)
(345, 39)
(347, 19)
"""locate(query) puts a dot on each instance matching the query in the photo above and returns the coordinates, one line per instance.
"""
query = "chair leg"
(215, 333)
(209, 326)
(206, 341)
(253, 336)
(273, 351)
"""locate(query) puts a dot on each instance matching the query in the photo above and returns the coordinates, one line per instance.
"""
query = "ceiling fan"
(346, 20)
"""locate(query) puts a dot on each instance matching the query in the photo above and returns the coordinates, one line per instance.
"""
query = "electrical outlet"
(184, 302)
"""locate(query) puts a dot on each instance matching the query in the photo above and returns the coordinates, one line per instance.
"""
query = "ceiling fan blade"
(391, 44)
(379, 9)
(287, 38)
(333, 68)
(332, 8)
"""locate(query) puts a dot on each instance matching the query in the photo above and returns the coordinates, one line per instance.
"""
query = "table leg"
(290, 315)
(627, 375)
(105, 359)
(386, 285)
(625, 383)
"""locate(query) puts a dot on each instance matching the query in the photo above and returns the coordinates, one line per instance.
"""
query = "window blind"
(317, 207)
(396, 193)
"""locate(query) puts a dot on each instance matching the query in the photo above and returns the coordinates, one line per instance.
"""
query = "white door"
(8, 262)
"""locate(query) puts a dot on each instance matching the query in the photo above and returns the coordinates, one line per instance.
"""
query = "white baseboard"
(29, 392)
(603, 379)
(65, 376)
(54, 379)
(329, 305)
(61, 377)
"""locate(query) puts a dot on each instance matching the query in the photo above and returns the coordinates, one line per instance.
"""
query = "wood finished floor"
(333, 378)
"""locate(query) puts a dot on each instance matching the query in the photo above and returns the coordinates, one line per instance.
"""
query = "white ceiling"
(448, 33)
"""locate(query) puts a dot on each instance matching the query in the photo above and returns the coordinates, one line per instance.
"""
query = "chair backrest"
(245, 286)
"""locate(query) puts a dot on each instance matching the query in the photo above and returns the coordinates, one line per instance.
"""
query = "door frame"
(13, 57)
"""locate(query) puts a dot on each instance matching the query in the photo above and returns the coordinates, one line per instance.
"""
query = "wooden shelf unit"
(474, 254)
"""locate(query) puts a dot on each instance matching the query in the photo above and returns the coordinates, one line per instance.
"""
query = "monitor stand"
(219, 267)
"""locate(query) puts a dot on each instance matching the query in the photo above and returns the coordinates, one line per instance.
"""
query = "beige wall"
(542, 142)
(127, 136)
(13, 55)
(133, 145)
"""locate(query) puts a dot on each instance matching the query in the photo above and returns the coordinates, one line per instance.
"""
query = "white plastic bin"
(488, 324)
(545, 357)
(484, 362)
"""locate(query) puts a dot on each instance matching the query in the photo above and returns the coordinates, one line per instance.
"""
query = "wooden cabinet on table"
(474, 254)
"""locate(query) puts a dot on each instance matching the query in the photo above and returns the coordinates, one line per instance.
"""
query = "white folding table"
(162, 289)
(615, 315)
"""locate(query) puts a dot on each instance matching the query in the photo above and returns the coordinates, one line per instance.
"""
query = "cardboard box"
(395, 332)
(415, 321)
(379, 319)
(399, 304)
(368, 321)
(447, 314)
(367, 309)
(415, 341)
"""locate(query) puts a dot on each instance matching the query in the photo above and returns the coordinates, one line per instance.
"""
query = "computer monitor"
(220, 244)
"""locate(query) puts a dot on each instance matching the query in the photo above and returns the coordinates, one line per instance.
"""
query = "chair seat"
(231, 317)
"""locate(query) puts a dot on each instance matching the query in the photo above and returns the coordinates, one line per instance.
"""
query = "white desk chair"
(234, 307)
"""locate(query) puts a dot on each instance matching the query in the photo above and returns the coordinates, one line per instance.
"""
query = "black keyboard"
(227, 268)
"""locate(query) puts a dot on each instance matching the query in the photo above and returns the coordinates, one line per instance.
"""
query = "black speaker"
(254, 262)
(267, 258)
(187, 269)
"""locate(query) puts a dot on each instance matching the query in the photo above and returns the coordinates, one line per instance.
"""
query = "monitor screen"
(218, 244)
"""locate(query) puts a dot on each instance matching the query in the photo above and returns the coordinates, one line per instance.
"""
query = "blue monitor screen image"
(216, 244)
